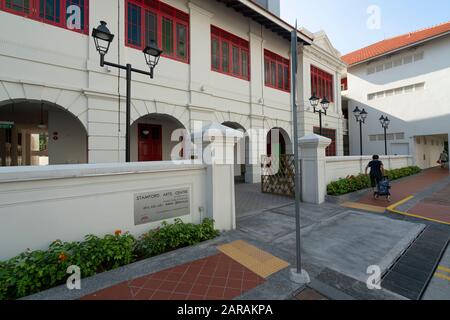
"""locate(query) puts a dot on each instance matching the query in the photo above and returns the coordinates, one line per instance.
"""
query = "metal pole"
(296, 151)
(127, 151)
(360, 138)
(320, 119)
(385, 140)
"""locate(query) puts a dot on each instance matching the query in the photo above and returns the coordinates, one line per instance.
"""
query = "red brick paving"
(405, 188)
(432, 211)
(310, 295)
(436, 207)
(214, 278)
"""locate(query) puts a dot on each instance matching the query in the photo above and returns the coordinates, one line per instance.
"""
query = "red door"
(150, 142)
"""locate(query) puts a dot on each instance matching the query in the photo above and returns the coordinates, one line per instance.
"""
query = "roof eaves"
(257, 8)
(399, 49)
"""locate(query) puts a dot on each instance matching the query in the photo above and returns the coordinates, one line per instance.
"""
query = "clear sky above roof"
(354, 24)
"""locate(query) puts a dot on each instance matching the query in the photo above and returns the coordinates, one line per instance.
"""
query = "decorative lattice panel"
(278, 175)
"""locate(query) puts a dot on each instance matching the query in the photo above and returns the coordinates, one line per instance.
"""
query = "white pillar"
(219, 157)
(313, 168)
(256, 148)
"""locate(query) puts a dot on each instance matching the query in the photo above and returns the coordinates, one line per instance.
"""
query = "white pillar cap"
(314, 140)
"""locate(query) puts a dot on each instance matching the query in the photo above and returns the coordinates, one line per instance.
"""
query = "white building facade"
(225, 62)
(408, 84)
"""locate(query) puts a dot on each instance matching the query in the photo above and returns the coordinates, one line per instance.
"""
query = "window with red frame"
(344, 84)
(277, 72)
(322, 83)
(68, 14)
(230, 54)
(150, 20)
(330, 134)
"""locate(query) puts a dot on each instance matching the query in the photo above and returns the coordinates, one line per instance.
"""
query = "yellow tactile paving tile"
(260, 262)
(442, 276)
(443, 273)
(445, 269)
(362, 206)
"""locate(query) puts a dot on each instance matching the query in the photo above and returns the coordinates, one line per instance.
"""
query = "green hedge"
(35, 271)
(360, 182)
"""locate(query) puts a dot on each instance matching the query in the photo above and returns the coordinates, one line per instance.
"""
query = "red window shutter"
(322, 83)
(171, 30)
(277, 71)
(234, 54)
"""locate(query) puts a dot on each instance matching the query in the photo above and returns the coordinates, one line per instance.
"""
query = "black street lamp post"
(103, 38)
(385, 124)
(314, 100)
(361, 116)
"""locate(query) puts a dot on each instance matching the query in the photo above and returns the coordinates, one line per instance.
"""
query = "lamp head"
(152, 54)
(357, 113)
(102, 37)
(314, 100)
(364, 115)
(325, 103)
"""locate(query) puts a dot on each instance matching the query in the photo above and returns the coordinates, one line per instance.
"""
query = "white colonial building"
(225, 61)
(407, 79)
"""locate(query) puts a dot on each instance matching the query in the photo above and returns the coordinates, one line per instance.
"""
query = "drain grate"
(411, 274)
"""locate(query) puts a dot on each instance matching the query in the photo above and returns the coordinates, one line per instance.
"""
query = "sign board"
(6, 125)
(161, 205)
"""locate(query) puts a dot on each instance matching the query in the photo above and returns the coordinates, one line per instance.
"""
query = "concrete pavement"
(439, 287)
(337, 244)
(250, 200)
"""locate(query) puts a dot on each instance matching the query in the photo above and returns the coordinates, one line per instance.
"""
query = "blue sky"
(345, 21)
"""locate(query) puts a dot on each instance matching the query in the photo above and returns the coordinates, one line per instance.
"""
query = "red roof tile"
(389, 45)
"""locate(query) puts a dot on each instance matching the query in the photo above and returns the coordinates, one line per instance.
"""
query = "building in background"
(225, 62)
(407, 79)
(323, 69)
(271, 5)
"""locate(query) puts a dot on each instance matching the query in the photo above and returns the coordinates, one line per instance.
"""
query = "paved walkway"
(435, 207)
(408, 187)
(337, 244)
(249, 199)
(217, 277)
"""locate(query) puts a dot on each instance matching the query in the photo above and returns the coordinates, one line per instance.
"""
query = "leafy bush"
(174, 236)
(360, 182)
(35, 271)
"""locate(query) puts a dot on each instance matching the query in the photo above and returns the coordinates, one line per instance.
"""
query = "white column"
(313, 168)
(219, 157)
(200, 44)
(256, 148)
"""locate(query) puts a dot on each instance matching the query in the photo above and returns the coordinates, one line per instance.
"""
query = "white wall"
(40, 205)
(427, 151)
(423, 112)
(341, 167)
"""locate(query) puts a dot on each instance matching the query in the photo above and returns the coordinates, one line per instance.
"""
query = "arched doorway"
(240, 152)
(158, 137)
(278, 142)
(36, 133)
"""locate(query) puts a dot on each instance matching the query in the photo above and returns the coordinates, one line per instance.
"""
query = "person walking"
(443, 159)
(376, 172)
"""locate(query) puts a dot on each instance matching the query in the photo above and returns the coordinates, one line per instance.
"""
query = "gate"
(278, 175)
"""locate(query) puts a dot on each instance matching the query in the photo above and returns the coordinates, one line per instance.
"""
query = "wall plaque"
(161, 205)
